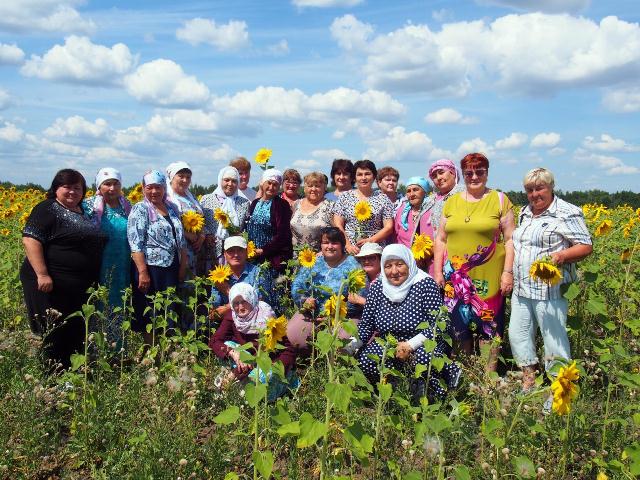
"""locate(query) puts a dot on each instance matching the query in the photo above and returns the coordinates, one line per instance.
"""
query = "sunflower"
(422, 246)
(135, 195)
(362, 211)
(263, 156)
(89, 193)
(625, 255)
(5, 232)
(275, 331)
(564, 389)
(307, 257)
(221, 217)
(220, 274)
(544, 270)
(251, 249)
(356, 280)
(604, 228)
(192, 221)
(329, 309)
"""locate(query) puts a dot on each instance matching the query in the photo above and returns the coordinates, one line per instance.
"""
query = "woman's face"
(444, 180)
(540, 197)
(111, 190)
(244, 178)
(332, 251)
(342, 179)
(69, 195)
(371, 265)
(291, 186)
(388, 184)
(270, 189)
(154, 192)
(181, 181)
(364, 178)
(415, 195)
(475, 178)
(314, 191)
(241, 306)
(396, 271)
(229, 186)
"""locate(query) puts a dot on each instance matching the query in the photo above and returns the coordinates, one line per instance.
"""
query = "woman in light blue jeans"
(547, 226)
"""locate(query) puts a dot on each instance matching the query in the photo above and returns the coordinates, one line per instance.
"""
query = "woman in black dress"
(63, 256)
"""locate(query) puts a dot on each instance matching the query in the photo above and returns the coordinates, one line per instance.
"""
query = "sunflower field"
(125, 414)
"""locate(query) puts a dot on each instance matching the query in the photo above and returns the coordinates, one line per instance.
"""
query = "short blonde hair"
(539, 175)
(316, 177)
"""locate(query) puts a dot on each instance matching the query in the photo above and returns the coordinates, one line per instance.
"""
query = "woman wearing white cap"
(269, 226)
(178, 182)
(109, 210)
(369, 259)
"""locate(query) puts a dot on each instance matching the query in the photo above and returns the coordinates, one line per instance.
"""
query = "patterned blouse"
(259, 225)
(306, 227)
(155, 238)
(381, 209)
(212, 201)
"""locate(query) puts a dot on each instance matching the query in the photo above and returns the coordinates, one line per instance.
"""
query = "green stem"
(606, 416)
(379, 408)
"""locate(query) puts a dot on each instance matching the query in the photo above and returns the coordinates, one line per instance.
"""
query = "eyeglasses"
(480, 172)
(292, 182)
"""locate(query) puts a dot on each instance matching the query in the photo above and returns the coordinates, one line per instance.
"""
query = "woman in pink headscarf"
(445, 179)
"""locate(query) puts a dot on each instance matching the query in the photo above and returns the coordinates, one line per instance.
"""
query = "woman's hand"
(351, 248)
(439, 278)
(45, 283)
(403, 351)
(197, 243)
(558, 257)
(362, 241)
(356, 299)
(309, 304)
(506, 283)
(144, 281)
(259, 252)
(241, 367)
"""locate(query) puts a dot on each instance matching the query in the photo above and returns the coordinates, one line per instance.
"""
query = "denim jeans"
(527, 316)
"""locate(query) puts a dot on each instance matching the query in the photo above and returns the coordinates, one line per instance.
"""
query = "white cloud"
(545, 140)
(548, 6)
(80, 60)
(515, 140)
(278, 49)
(623, 100)
(398, 146)
(326, 3)
(441, 15)
(44, 16)
(10, 54)
(328, 154)
(77, 127)
(307, 165)
(351, 33)
(611, 165)
(163, 82)
(535, 54)
(10, 133)
(474, 145)
(608, 144)
(448, 115)
(5, 99)
(556, 151)
(224, 153)
(227, 36)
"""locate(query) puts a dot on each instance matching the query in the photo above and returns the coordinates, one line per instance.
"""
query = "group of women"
(479, 258)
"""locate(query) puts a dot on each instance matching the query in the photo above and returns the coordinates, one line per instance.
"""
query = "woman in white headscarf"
(178, 182)
(269, 225)
(226, 198)
(404, 298)
(109, 210)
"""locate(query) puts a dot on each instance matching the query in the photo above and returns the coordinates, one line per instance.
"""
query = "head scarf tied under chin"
(444, 164)
(422, 183)
(154, 177)
(186, 202)
(255, 320)
(399, 252)
(102, 176)
(271, 174)
(228, 201)
(436, 202)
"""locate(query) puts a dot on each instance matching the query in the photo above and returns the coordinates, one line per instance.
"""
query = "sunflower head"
(221, 217)
(135, 195)
(564, 389)
(192, 221)
(625, 255)
(331, 305)
(307, 258)
(220, 274)
(251, 249)
(263, 156)
(362, 211)
(422, 246)
(356, 280)
(275, 331)
(604, 228)
(544, 270)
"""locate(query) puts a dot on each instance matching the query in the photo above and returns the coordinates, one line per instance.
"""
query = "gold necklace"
(467, 219)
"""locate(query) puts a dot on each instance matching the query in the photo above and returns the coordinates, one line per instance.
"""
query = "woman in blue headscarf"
(410, 216)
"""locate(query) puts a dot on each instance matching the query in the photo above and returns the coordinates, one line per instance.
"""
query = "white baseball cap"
(235, 241)
(369, 248)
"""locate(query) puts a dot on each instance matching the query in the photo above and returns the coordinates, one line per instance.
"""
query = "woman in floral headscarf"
(109, 210)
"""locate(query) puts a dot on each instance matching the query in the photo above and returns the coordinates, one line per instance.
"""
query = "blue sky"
(137, 85)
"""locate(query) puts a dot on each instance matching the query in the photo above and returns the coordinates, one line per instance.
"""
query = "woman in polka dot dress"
(404, 298)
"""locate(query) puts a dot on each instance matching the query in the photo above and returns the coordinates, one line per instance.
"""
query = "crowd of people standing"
(480, 257)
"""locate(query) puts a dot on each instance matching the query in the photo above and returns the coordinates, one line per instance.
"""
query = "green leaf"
(264, 463)
(264, 362)
(524, 467)
(77, 360)
(429, 345)
(596, 305)
(438, 423)
(311, 430)
(360, 443)
(279, 414)
(339, 394)
(255, 393)
(231, 476)
(104, 365)
(350, 327)
(324, 341)
(291, 428)
(462, 473)
(412, 476)
(385, 390)
(633, 453)
(572, 291)
(228, 416)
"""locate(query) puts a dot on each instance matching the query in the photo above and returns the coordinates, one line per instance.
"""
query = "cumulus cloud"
(515, 140)
(538, 54)
(545, 140)
(608, 144)
(449, 115)
(548, 6)
(81, 61)
(10, 54)
(278, 49)
(163, 82)
(474, 145)
(77, 127)
(610, 164)
(399, 146)
(225, 36)
(622, 100)
(326, 3)
(44, 16)
(10, 133)
(5, 99)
